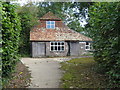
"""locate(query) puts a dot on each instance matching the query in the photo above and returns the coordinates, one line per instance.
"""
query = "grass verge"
(80, 73)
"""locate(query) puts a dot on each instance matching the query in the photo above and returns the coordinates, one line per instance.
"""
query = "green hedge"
(11, 28)
(104, 29)
(0, 45)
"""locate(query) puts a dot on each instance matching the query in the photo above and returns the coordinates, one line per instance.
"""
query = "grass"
(80, 73)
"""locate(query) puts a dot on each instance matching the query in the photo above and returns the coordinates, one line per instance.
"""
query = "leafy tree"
(54, 7)
(28, 17)
(11, 28)
(0, 45)
(104, 28)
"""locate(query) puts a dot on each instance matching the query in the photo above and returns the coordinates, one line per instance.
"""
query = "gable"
(49, 16)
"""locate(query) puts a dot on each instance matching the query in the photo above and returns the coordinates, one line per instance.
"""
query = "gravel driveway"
(45, 72)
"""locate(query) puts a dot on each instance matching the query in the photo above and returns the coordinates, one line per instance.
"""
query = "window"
(50, 24)
(57, 46)
(87, 46)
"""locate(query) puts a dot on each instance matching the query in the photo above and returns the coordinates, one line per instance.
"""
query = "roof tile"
(61, 34)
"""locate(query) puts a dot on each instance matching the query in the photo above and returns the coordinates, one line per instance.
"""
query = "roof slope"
(58, 34)
(49, 16)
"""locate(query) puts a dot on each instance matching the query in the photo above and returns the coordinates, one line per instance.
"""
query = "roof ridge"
(50, 15)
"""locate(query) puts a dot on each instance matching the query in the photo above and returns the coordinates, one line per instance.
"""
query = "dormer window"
(50, 24)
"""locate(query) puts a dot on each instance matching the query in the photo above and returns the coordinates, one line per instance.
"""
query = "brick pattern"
(42, 24)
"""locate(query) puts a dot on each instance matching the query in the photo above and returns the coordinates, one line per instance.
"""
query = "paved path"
(45, 72)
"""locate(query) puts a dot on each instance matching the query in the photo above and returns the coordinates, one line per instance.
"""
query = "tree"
(103, 28)
(28, 17)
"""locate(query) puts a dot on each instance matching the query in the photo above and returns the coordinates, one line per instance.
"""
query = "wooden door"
(38, 49)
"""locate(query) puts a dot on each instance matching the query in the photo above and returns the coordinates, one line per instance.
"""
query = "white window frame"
(57, 46)
(50, 24)
(87, 45)
(82, 42)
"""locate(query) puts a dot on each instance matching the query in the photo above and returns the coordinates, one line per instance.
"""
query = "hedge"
(104, 29)
(11, 28)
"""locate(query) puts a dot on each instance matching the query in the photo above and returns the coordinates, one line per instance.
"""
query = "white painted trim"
(82, 42)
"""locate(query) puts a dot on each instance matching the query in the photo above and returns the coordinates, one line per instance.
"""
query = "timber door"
(41, 49)
(38, 49)
(74, 48)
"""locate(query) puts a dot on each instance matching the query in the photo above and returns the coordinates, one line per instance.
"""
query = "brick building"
(51, 37)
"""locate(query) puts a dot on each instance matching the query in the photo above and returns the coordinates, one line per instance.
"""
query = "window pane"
(55, 43)
(58, 48)
(51, 43)
(62, 48)
(62, 43)
(48, 26)
(87, 43)
(55, 47)
(58, 43)
(48, 22)
(87, 47)
(52, 22)
(52, 26)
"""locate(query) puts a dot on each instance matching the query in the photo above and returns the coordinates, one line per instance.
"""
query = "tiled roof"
(50, 16)
(58, 34)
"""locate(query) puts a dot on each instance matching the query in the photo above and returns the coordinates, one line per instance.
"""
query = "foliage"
(11, 28)
(28, 17)
(79, 73)
(0, 45)
(54, 7)
(103, 28)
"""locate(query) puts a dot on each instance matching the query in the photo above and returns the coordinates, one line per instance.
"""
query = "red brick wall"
(57, 24)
